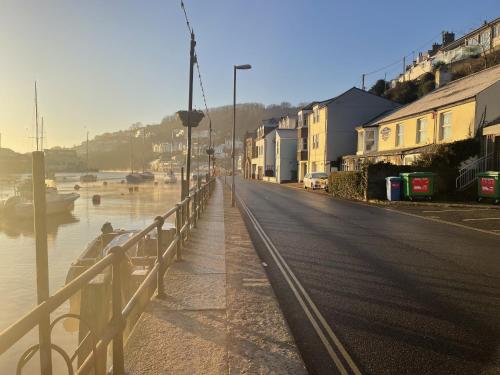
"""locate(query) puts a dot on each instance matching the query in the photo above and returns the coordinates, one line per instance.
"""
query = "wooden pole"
(42, 260)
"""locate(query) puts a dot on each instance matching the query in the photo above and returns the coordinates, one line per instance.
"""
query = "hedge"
(349, 185)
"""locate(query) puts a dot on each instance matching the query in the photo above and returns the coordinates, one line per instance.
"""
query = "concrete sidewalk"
(220, 315)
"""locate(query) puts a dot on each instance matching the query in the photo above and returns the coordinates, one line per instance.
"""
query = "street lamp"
(236, 67)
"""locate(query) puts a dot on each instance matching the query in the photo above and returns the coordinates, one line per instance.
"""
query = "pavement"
(371, 290)
(221, 315)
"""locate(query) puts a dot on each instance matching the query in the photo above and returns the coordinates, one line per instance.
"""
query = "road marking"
(432, 219)
(482, 218)
(468, 210)
(306, 307)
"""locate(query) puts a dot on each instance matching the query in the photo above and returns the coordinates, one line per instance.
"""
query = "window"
(360, 141)
(370, 140)
(316, 114)
(421, 130)
(445, 126)
(399, 135)
(315, 141)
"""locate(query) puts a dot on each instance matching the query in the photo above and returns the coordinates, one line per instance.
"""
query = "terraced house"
(331, 125)
(466, 108)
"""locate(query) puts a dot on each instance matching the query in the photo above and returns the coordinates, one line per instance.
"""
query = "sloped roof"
(456, 91)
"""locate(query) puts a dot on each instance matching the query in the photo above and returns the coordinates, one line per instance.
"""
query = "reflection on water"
(67, 237)
(14, 228)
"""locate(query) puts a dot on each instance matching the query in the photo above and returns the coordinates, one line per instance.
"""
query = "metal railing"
(186, 214)
(468, 175)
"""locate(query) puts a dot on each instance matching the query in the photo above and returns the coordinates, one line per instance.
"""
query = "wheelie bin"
(393, 187)
(418, 185)
(488, 186)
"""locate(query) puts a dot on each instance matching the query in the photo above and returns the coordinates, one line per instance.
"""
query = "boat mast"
(36, 117)
(131, 155)
(87, 153)
(143, 147)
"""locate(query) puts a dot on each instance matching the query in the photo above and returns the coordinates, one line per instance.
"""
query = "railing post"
(195, 208)
(42, 263)
(117, 318)
(159, 258)
(178, 227)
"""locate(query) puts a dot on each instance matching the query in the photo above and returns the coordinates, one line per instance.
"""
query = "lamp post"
(236, 67)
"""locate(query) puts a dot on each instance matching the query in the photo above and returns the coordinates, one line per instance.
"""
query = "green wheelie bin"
(488, 186)
(418, 185)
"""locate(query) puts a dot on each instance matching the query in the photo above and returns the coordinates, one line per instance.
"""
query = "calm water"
(67, 237)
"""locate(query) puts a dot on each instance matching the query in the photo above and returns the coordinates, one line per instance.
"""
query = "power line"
(190, 29)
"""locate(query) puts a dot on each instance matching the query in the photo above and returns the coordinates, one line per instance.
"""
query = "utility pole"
(404, 68)
(41, 137)
(363, 82)
(192, 61)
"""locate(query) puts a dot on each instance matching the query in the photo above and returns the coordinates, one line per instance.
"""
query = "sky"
(104, 65)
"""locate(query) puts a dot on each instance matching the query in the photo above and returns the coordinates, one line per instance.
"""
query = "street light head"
(245, 66)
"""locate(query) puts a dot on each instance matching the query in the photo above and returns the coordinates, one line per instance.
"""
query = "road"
(370, 291)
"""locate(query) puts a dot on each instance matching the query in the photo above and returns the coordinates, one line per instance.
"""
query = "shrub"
(350, 185)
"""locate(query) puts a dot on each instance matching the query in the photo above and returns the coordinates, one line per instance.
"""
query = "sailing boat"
(21, 205)
(87, 177)
(133, 178)
(146, 175)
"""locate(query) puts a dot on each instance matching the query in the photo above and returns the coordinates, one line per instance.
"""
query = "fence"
(186, 214)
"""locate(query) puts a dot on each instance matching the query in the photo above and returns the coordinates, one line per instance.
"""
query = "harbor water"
(68, 235)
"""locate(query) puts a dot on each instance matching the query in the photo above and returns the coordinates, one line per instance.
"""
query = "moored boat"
(134, 178)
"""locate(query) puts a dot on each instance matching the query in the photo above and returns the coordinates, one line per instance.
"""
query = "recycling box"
(393, 186)
(418, 184)
(488, 185)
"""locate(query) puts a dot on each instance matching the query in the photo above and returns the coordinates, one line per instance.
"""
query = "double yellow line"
(339, 354)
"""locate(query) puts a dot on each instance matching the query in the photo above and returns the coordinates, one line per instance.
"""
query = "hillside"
(112, 150)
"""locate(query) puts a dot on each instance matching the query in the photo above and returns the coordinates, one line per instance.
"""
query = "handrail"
(185, 220)
(468, 174)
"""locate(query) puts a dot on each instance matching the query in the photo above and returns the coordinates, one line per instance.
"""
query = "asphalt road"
(370, 291)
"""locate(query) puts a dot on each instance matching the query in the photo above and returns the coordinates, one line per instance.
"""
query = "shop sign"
(385, 132)
(420, 185)
(487, 185)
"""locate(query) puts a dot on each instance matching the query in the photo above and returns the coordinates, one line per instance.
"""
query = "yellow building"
(458, 110)
(331, 125)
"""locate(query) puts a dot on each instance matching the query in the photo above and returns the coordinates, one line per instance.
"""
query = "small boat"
(140, 256)
(134, 178)
(88, 178)
(56, 203)
(170, 178)
(147, 176)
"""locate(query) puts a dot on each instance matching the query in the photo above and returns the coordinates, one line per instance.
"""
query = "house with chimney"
(458, 110)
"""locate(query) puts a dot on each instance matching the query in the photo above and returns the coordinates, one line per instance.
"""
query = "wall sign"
(385, 132)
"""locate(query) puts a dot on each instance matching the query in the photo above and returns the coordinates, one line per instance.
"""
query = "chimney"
(442, 76)
(447, 37)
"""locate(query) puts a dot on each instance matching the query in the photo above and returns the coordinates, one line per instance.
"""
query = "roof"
(329, 101)
(374, 121)
(453, 92)
(286, 132)
(460, 40)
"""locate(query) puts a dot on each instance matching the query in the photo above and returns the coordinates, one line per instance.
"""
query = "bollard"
(116, 305)
(159, 258)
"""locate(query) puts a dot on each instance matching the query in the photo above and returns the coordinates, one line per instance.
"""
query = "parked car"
(316, 180)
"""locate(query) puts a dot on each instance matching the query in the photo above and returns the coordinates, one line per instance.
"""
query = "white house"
(265, 148)
(286, 155)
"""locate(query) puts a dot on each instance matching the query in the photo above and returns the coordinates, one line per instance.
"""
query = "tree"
(379, 87)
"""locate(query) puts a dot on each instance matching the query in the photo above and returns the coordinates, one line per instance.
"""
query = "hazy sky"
(108, 64)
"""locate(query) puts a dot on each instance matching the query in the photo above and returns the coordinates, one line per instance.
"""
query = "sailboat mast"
(131, 155)
(143, 147)
(87, 152)
(36, 117)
